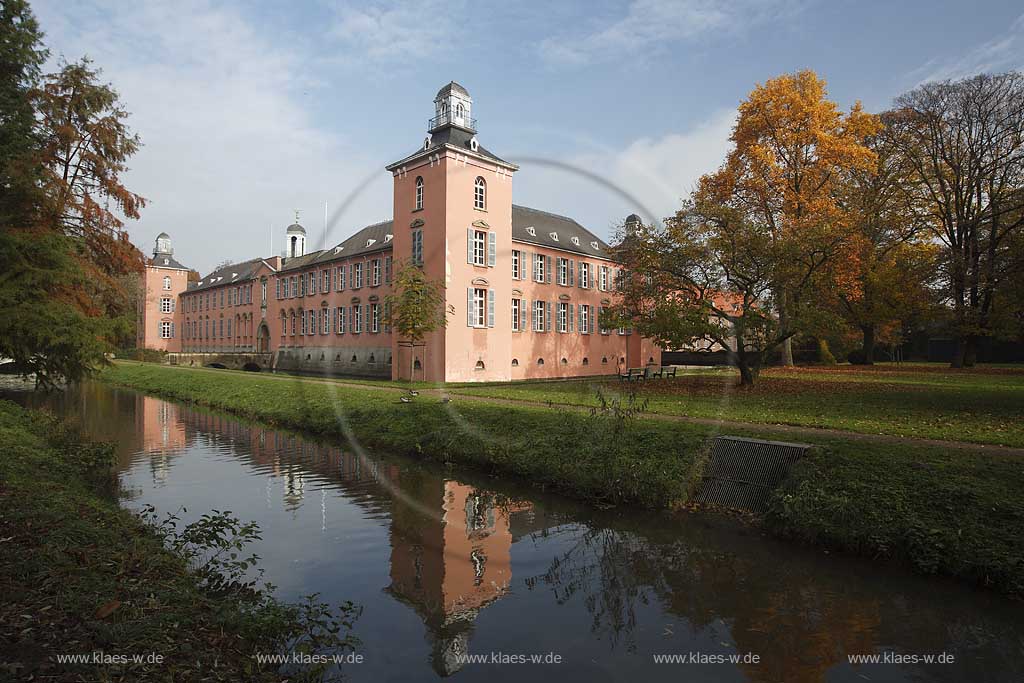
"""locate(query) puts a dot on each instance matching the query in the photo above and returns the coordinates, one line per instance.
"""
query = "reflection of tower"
(449, 567)
(294, 483)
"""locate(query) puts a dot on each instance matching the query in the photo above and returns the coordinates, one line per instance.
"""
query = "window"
(293, 323)
(326, 281)
(166, 330)
(480, 194)
(602, 284)
(417, 247)
(601, 314)
(167, 281)
(166, 305)
(311, 283)
(312, 320)
(325, 320)
(357, 319)
(387, 269)
(517, 311)
(538, 267)
(229, 328)
(584, 319)
(459, 111)
(479, 248)
(563, 271)
(538, 316)
(340, 313)
(478, 311)
(295, 285)
(358, 267)
(419, 192)
(342, 274)
(374, 318)
(376, 272)
(303, 328)
(563, 316)
(584, 275)
(515, 265)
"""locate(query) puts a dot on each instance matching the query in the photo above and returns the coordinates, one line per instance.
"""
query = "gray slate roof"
(166, 261)
(565, 228)
(369, 240)
(451, 87)
(457, 138)
(230, 274)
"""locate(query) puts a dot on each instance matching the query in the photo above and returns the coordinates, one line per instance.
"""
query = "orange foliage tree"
(792, 148)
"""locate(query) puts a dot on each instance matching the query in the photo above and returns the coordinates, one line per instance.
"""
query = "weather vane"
(296, 215)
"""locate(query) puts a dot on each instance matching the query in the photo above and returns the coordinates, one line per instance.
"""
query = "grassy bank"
(82, 576)
(980, 406)
(943, 511)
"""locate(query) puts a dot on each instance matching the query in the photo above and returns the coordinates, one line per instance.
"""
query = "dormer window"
(576, 241)
(419, 192)
(480, 194)
(370, 242)
(553, 235)
(531, 231)
(388, 238)
(595, 245)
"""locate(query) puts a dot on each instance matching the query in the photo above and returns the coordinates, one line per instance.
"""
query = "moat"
(450, 563)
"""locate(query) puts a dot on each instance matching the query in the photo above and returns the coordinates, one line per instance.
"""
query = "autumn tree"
(965, 144)
(792, 146)
(64, 258)
(415, 307)
(896, 261)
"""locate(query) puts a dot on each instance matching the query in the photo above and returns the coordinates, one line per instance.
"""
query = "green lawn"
(982, 406)
(943, 510)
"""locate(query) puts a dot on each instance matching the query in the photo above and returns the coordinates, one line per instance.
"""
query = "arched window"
(586, 361)
(480, 194)
(515, 362)
(479, 365)
(419, 192)
(540, 361)
(444, 109)
(565, 361)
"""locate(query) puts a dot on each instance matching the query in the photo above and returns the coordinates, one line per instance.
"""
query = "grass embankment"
(944, 511)
(82, 576)
(981, 406)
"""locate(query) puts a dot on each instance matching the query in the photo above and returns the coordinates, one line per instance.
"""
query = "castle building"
(524, 288)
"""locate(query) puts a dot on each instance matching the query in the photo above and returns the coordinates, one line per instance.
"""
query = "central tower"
(453, 218)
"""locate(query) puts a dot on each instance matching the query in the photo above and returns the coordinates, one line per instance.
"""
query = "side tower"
(453, 218)
(159, 323)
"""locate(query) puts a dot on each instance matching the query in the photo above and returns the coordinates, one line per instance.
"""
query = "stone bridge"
(238, 360)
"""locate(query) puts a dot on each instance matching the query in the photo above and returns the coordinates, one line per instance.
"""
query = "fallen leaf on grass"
(106, 610)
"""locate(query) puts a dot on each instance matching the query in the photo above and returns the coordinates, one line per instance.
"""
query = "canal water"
(447, 563)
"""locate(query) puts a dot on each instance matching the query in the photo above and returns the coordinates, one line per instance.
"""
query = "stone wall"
(366, 361)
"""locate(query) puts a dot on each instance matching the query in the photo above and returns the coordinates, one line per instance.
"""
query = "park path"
(781, 430)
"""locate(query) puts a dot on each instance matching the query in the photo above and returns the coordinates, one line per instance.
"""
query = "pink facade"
(524, 287)
(159, 320)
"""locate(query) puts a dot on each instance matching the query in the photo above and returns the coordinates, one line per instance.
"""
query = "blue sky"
(248, 111)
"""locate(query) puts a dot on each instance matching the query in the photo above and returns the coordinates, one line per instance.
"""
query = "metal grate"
(741, 473)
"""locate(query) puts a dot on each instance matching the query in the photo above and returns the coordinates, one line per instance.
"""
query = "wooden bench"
(663, 371)
(634, 375)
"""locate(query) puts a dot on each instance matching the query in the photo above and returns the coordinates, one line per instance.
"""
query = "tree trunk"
(970, 351)
(869, 344)
(958, 353)
(747, 374)
(787, 345)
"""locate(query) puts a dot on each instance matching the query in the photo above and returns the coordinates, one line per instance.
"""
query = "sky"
(251, 111)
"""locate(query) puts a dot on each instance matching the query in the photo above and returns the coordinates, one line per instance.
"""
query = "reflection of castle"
(449, 567)
(162, 432)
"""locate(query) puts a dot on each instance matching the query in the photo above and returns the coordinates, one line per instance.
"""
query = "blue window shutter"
(547, 270)
(469, 306)
(547, 315)
(490, 306)
(533, 263)
(469, 245)
(492, 248)
(533, 315)
(572, 273)
(172, 330)
(569, 315)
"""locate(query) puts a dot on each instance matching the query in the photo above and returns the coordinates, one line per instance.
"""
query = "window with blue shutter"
(547, 314)
(535, 318)
(490, 306)
(572, 319)
(549, 276)
(469, 303)
(492, 248)
(469, 245)
(572, 273)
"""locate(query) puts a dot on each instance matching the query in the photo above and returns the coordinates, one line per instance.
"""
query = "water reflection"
(446, 566)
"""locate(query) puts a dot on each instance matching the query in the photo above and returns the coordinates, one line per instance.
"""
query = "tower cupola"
(453, 107)
(163, 245)
(295, 238)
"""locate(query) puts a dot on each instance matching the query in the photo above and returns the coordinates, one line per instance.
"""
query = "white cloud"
(650, 25)
(1003, 53)
(394, 33)
(649, 176)
(229, 144)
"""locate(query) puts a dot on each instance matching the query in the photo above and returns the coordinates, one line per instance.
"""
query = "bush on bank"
(81, 576)
(945, 511)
